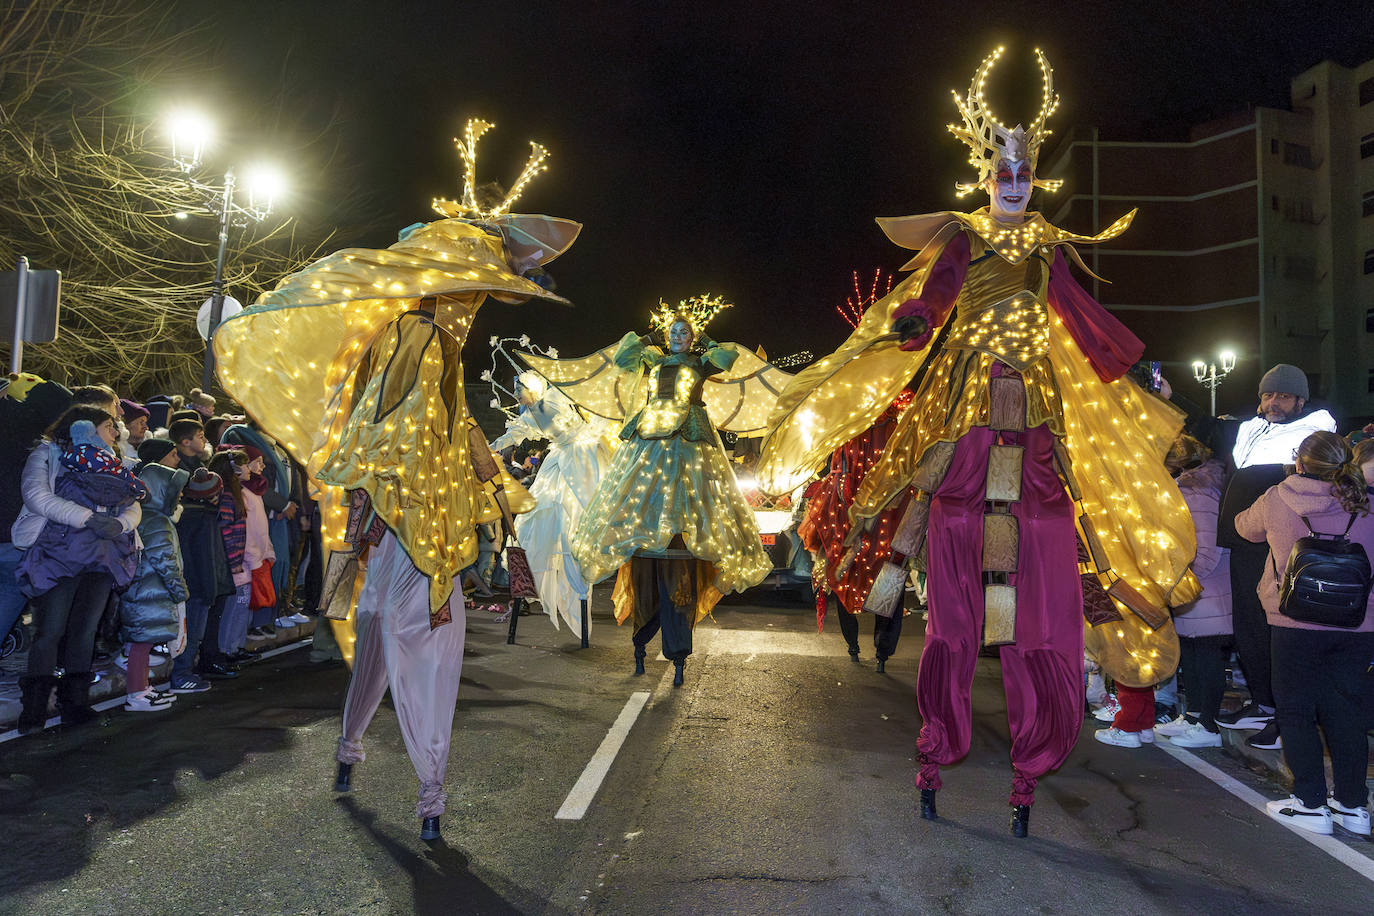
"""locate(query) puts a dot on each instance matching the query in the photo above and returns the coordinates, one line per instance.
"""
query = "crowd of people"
(131, 530)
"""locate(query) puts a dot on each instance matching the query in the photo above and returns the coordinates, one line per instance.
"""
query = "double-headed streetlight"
(190, 134)
(1207, 374)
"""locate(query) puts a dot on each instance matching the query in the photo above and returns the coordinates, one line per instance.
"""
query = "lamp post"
(190, 134)
(1207, 374)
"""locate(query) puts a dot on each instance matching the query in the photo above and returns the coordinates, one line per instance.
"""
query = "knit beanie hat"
(1285, 379)
(153, 449)
(202, 403)
(204, 485)
(159, 413)
(132, 410)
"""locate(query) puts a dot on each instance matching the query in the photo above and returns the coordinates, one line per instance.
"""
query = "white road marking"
(580, 798)
(1337, 850)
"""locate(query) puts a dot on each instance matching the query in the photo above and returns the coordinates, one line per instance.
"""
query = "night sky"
(740, 148)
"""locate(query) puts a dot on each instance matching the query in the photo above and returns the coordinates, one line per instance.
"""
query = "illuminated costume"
(353, 365)
(668, 513)
(1020, 411)
(566, 480)
(845, 575)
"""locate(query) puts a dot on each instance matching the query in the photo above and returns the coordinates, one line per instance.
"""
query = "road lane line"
(1332, 847)
(580, 798)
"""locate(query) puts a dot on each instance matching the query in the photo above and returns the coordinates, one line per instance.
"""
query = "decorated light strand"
(469, 207)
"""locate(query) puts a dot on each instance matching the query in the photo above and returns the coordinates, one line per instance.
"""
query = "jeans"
(1321, 679)
(65, 618)
(12, 601)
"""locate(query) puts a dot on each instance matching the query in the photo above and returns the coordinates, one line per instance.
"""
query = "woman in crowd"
(1320, 672)
(76, 530)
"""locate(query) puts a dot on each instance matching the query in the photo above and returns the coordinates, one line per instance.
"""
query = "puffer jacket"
(38, 484)
(148, 610)
(1210, 614)
(1276, 518)
(65, 552)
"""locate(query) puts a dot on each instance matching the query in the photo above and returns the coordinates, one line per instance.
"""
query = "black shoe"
(241, 657)
(928, 812)
(639, 665)
(854, 654)
(882, 666)
(344, 781)
(677, 672)
(1266, 739)
(1248, 716)
(1020, 821)
(216, 671)
(35, 693)
(73, 698)
(1164, 713)
(429, 830)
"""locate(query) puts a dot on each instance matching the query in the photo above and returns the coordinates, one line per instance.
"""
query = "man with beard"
(1264, 449)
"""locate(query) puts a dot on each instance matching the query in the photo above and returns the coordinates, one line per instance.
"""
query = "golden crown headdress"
(989, 139)
(468, 207)
(696, 311)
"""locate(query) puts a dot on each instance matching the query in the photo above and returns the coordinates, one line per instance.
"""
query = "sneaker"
(298, 618)
(1293, 812)
(1107, 711)
(1266, 739)
(165, 695)
(1248, 716)
(189, 683)
(145, 701)
(122, 660)
(161, 650)
(1195, 736)
(1355, 820)
(268, 630)
(1176, 727)
(285, 623)
(95, 677)
(1165, 713)
(1119, 738)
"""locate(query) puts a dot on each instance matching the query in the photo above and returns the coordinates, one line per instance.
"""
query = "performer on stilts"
(1020, 411)
(354, 366)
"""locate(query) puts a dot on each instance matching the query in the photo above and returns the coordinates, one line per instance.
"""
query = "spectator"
(1364, 459)
(135, 424)
(281, 500)
(201, 403)
(1264, 445)
(206, 569)
(1203, 625)
(229, 621)
(189, 438)
(1319, 671)
(258, 552)
(76, 534)
(148, 610)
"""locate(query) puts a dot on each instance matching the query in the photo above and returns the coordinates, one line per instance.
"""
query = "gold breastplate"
(673, 389)
(1001, 310)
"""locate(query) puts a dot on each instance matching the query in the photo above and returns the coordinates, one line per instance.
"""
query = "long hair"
(60, 431)
(223, 464)
(1185, 454)
(1326, 456)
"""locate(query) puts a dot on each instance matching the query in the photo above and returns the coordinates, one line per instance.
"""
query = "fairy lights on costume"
(696, 311)
(467, 149)
(989, 140)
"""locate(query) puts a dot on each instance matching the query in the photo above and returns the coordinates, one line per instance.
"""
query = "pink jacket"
(1276, 517)
(257, 546)
(1210, 614)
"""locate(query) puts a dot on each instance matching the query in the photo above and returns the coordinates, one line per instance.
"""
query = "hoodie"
(1276, 519)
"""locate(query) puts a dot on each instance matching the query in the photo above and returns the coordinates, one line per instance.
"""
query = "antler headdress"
(696, 311)
(467, 147)
(989, 139)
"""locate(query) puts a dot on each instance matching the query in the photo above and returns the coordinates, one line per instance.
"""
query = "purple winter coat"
(63, 552)
(1210, 614)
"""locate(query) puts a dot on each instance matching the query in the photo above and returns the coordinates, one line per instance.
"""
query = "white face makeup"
(1009, 190)
(679, 336)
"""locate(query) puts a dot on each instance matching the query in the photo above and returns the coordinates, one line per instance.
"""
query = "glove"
(106, 526)
(910, 327)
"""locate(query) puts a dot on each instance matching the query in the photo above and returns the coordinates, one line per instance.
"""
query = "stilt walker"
(1021, 412)
(354, 366)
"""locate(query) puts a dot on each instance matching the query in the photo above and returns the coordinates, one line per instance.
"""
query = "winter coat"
(1276, 518)
(38, 485)
(202, 552)
(233, 527)
(64, 552)
(1210, 613)
(148, 610)
(257, 547)
(23, 421)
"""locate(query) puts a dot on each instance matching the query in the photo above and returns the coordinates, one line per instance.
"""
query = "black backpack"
(1327, 580)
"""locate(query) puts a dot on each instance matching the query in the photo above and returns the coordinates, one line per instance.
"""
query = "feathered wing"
(594, 382)
(741, 399)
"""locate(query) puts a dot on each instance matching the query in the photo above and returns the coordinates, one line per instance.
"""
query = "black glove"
(910, 327)
(107, 526)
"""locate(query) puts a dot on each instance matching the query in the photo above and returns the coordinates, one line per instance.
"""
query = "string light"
(469, 207)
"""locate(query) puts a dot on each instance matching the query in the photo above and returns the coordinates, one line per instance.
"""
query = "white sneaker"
(145, 701)
(1292, 811)
(1107, 711)
(1146, 736)
(1119, 738)
(1096, 690)
(298, 618)
(285, 623)
(121, 659)
(1194, 736)
(1355, 820)
(1176, 727)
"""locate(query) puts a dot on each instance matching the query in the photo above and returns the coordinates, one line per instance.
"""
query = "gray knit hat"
(1285, 379)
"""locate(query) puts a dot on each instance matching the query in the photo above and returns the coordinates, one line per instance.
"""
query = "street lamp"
(1207, 374)
(190, 133)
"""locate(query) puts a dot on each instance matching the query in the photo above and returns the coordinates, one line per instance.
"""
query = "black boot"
(882, 666)
(73, 697)
(429, 829)
(639, 661)
(928, 812)
(344, 781)
(677, 671)
(35, 692)
(854, 652)
(1020, 820)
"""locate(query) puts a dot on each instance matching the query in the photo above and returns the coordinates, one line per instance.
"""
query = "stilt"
(585, 644)
(514, 618)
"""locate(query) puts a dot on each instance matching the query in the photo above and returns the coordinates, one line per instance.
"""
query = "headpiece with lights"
(696, 311)
(989, 140)
(469, 207)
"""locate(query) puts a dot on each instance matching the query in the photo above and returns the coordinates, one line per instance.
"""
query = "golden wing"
(741, 399)
(594, 383)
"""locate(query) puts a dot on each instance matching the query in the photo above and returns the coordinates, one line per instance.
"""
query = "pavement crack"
(776, 879)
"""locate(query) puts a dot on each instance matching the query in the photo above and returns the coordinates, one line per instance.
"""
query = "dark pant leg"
(643, 634)
(210, 648)
(314, 571)
(88, 607)
(1345, 662)
(50, 612)
(886, 632)
(197, 613)
(1298, 683)
(849, 626)
(1248, 621)
(1210, 656)
(675, 623)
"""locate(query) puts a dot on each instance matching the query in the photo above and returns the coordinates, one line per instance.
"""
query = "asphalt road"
(778, 779)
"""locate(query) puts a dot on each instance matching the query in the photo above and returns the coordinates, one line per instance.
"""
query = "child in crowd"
(233, 613)
(258, 555)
